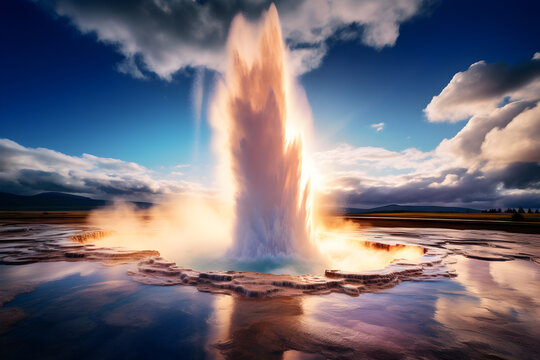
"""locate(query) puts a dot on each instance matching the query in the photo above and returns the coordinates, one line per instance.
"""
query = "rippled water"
(91, 309)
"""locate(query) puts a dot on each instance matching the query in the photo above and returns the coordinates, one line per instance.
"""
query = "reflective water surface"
(91, 309)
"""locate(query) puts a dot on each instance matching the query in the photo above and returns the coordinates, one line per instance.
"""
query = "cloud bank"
(494, 160)
(29, 171)
(163, 37)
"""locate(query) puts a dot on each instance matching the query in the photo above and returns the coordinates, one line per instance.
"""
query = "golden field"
(465, 216)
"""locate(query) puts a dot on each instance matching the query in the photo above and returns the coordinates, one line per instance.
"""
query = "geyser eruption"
(265, 156)
(264, 212)
(260, 116)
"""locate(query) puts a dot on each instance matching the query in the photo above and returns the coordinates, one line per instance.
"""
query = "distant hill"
(400, 208)
(54, 201)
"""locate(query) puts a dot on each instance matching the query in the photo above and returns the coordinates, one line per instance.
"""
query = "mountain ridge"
(54, 201)
(410, 208)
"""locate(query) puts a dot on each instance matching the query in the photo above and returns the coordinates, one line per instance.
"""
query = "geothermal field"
(432, 293)
(268, 244)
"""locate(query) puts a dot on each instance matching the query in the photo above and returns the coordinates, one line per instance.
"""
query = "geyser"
(260, 117)
(262, 145)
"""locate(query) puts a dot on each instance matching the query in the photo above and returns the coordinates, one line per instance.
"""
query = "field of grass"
(46, 217)
(54, 217)
(466, 216)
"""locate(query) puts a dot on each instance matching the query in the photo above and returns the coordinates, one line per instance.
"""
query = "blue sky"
(61, 88)
(363, 85)
(64, 87)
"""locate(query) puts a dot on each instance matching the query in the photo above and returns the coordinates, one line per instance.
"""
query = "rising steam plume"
(260, 118)
(265, 156)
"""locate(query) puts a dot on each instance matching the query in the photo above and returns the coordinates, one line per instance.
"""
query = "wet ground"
(55, 305)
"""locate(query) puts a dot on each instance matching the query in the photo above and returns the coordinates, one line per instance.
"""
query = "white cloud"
(496, 134)
(347, 157)
(467, 148)
(482, 87)
(378, 127)
(165, 36)
(518, 141)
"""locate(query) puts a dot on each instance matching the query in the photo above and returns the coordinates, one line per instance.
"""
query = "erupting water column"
(271, 187)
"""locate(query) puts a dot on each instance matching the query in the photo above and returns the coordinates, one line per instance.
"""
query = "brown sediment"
(386, 247)
(31, 243)
(90, 236)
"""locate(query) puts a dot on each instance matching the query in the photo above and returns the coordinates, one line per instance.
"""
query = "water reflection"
(491, 309)
(104, 315)
(389, 325)
(256, 328)
(478, 316)
(498, 310)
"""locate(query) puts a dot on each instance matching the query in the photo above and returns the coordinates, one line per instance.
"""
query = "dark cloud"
(520, 175)
(453, 187)
(164, 36)
(469, 188)
(121, 187)
(29, 180)
(525, 200)
(29, 171)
